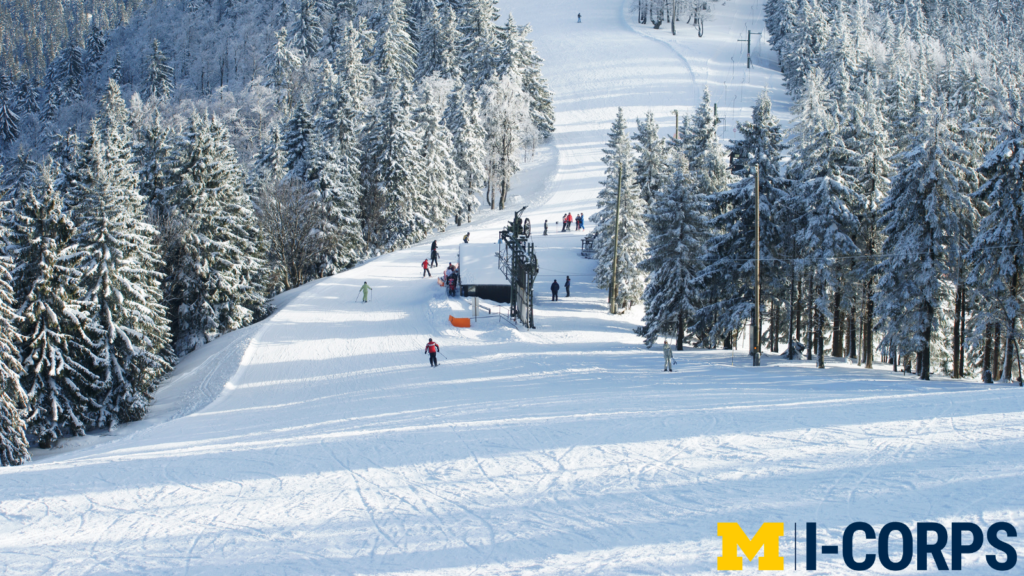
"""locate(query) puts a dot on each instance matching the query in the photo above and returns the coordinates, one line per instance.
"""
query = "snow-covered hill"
(320, 442)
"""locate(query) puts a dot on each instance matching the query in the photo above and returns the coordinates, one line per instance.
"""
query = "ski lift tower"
(518, 263)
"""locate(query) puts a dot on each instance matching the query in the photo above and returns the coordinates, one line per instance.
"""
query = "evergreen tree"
(13, 402)
(9, 120)
(928, 222)
(825, 196)
(518, 56)
(298, 143)
(307, 33)
(677, 228)
(94, 48)
(621, 195)
(58, 384)
(998, 251)
(651, 158)
(463, 118)
(281, 63)
(159, 74)
(394, 55)
(127, 322)
(393, 203)
(441, 175)
(154, 160)
(437, 43)
(210, 255)
(729, 253)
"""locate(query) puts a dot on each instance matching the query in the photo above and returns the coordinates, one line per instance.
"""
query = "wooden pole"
(757, 265)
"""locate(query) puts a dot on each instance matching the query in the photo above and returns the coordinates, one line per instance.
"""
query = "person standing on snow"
(579, 18)
(668, 356)
(433, 256)
(582, 227)
(545, 227)
(432, 348)
(465, 238)
(566, 286)
(554, 290)
(365, 289)
(426, 268)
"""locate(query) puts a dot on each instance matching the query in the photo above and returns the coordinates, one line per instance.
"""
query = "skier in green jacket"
(365, 289)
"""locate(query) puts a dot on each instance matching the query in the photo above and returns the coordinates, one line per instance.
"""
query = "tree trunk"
(956, 333)
(963, 332)
(810, 318)
(996, 366)
(869, 332)
(819, 327)
(851, 334)
(837, 327)
(681, 327)
(986, 358)
(799, 306)
(925, 361)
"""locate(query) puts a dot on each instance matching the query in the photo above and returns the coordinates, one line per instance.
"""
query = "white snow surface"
(320, 442)
(478, 265)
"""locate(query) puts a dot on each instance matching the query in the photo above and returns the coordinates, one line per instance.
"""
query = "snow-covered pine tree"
(307, 32)
(729, 252)
(211, 253)
(159, 74)
(27, 97)
(677, 229)
(271, 161)
(998, 251)
(709, 166)
(824, 194)
(394, 55)
(463, 118)
(281, 63)
(517, 55)
(479, 42)
(621, 195)
(441, 175)
(71, 72)
(336, 157)
(509, 128)
(298, 143)
(127, 322)
(13, 402)
(9, 121)
(58, 384)
(94, 48)
(867, 138)
(928, 221)
(153, 161)
(652, 169)
(394, 208)
(438, 51)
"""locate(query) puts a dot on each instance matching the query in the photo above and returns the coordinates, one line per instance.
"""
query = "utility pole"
(677, 124)
(749, 34)
(613, 290)
(757, 265)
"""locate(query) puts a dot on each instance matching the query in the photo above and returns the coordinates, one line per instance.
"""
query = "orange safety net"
(459, 322)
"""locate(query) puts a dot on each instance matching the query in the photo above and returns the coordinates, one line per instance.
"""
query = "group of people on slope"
(451, 273)
(555, 287)
(569, 219)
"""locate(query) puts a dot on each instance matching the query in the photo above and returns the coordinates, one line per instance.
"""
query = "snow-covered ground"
(320, 442)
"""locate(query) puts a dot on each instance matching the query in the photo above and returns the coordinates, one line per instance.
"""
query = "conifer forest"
(160, 183)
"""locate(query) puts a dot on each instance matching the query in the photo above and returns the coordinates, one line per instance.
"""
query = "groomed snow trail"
(332, 448)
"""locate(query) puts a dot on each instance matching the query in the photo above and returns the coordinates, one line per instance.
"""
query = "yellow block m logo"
(734, 537)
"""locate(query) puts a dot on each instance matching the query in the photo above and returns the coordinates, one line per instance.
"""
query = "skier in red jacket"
(426, 267)
(432, 348)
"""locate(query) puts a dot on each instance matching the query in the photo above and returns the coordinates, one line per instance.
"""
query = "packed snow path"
(320, 442)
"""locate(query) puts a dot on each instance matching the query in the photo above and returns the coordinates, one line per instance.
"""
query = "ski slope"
(320, 442)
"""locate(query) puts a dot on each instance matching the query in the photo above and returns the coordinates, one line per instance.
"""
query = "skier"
(433, 246)
(466, 238)
(668, 357)
(365, 288)
(545, 227)
(433, 255)
(554, 290)
(579, 18)
(566, 286)
(432, 348)
(426, 268)
(582, 227)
